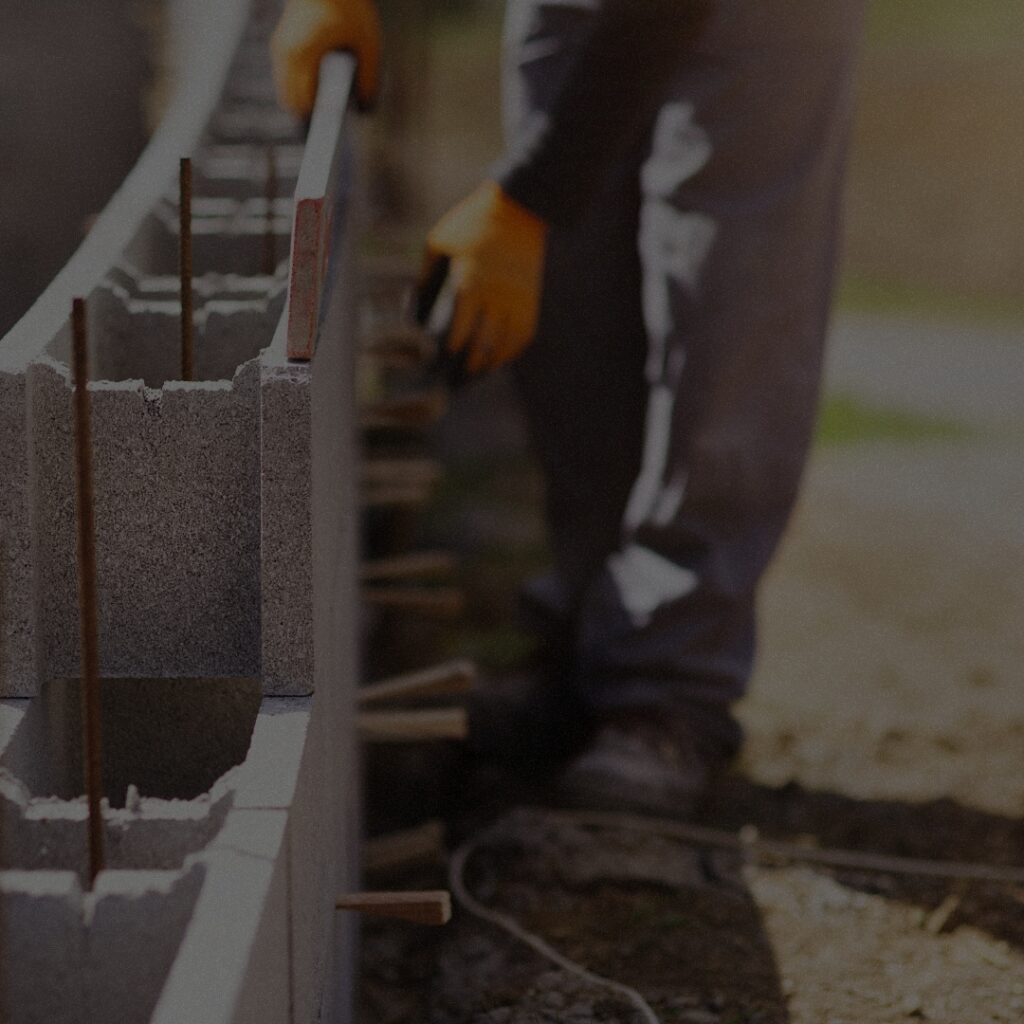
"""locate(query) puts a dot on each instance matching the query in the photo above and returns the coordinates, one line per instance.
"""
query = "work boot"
(529, 723)
(643, 764)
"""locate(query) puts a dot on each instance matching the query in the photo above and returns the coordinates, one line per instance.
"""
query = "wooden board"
(315, 197)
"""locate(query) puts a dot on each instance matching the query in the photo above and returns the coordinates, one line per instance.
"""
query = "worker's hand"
(307, 31)
(496, 251)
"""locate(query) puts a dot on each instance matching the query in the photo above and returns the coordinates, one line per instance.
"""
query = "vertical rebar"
(269, 238)
(89, 638)
(185, 266)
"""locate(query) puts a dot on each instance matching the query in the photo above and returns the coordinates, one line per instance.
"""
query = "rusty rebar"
(269, 237)
(89, 632)
(185, 267)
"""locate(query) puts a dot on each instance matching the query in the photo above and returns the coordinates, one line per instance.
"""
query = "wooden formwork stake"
(269, 237)
(401, 472)
(410, 846)
(417, 565)
(450, 679)
(377, 496)
(185, 267)
(390, 481)
(422, 409)
(413, 726)
(399, 346)
(430, 908)
(89, 632)
(438, 602)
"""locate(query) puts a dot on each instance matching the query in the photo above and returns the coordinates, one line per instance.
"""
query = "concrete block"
(286, 523)
(12, 714)
(233, 963)
(135, 325)
(278, 752)
(313, 861)
(136, 920)
(177, 483)
(253, 122)
(335, 535)
(226, 240)
(49, 835)
(241, 170)
(17, 608)
(42, 936)
(169, 738)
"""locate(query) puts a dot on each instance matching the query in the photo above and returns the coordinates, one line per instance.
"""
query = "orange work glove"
(496, 250)
(308, 30)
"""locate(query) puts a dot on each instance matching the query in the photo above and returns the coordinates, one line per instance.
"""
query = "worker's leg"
(582, 378)
(737, 242)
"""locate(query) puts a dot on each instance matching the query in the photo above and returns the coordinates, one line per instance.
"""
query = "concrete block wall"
(177, 518)
(227, 548)
(17, 594)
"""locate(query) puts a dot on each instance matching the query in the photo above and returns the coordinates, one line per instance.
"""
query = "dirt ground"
(886, 715)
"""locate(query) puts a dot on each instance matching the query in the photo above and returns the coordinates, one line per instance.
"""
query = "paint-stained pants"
(672, 387)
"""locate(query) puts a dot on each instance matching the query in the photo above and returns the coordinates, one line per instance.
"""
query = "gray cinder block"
(136, 920)
(74, 958)
(42, 936)
(18, 667)
(233, 964)
(177, 516)
(286, 522)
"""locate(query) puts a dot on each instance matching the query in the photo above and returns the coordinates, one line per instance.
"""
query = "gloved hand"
(308, 30)
(496, 250)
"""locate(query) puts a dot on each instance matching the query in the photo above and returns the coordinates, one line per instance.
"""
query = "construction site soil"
(886, 716)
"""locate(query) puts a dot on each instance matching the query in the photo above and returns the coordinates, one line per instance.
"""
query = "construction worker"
(656, 253)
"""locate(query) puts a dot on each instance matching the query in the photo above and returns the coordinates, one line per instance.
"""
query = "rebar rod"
(89, 638)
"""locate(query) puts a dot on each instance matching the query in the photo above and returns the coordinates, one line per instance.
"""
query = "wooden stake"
(377, 496)
(410, 846)
(406, 412)
(453, 678)
(417, 565)
(437, 602)
(399, 346)
(185, 267)
(430, 908)
(401, 472)
(89, 638)
(413, 726)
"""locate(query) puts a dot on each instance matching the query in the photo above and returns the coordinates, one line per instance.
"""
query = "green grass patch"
(863, 294)
(845, 420)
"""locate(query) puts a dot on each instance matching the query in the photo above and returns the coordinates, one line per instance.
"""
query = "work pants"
(672, 386)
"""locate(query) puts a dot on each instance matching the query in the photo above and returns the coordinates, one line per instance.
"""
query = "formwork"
(226, 564)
